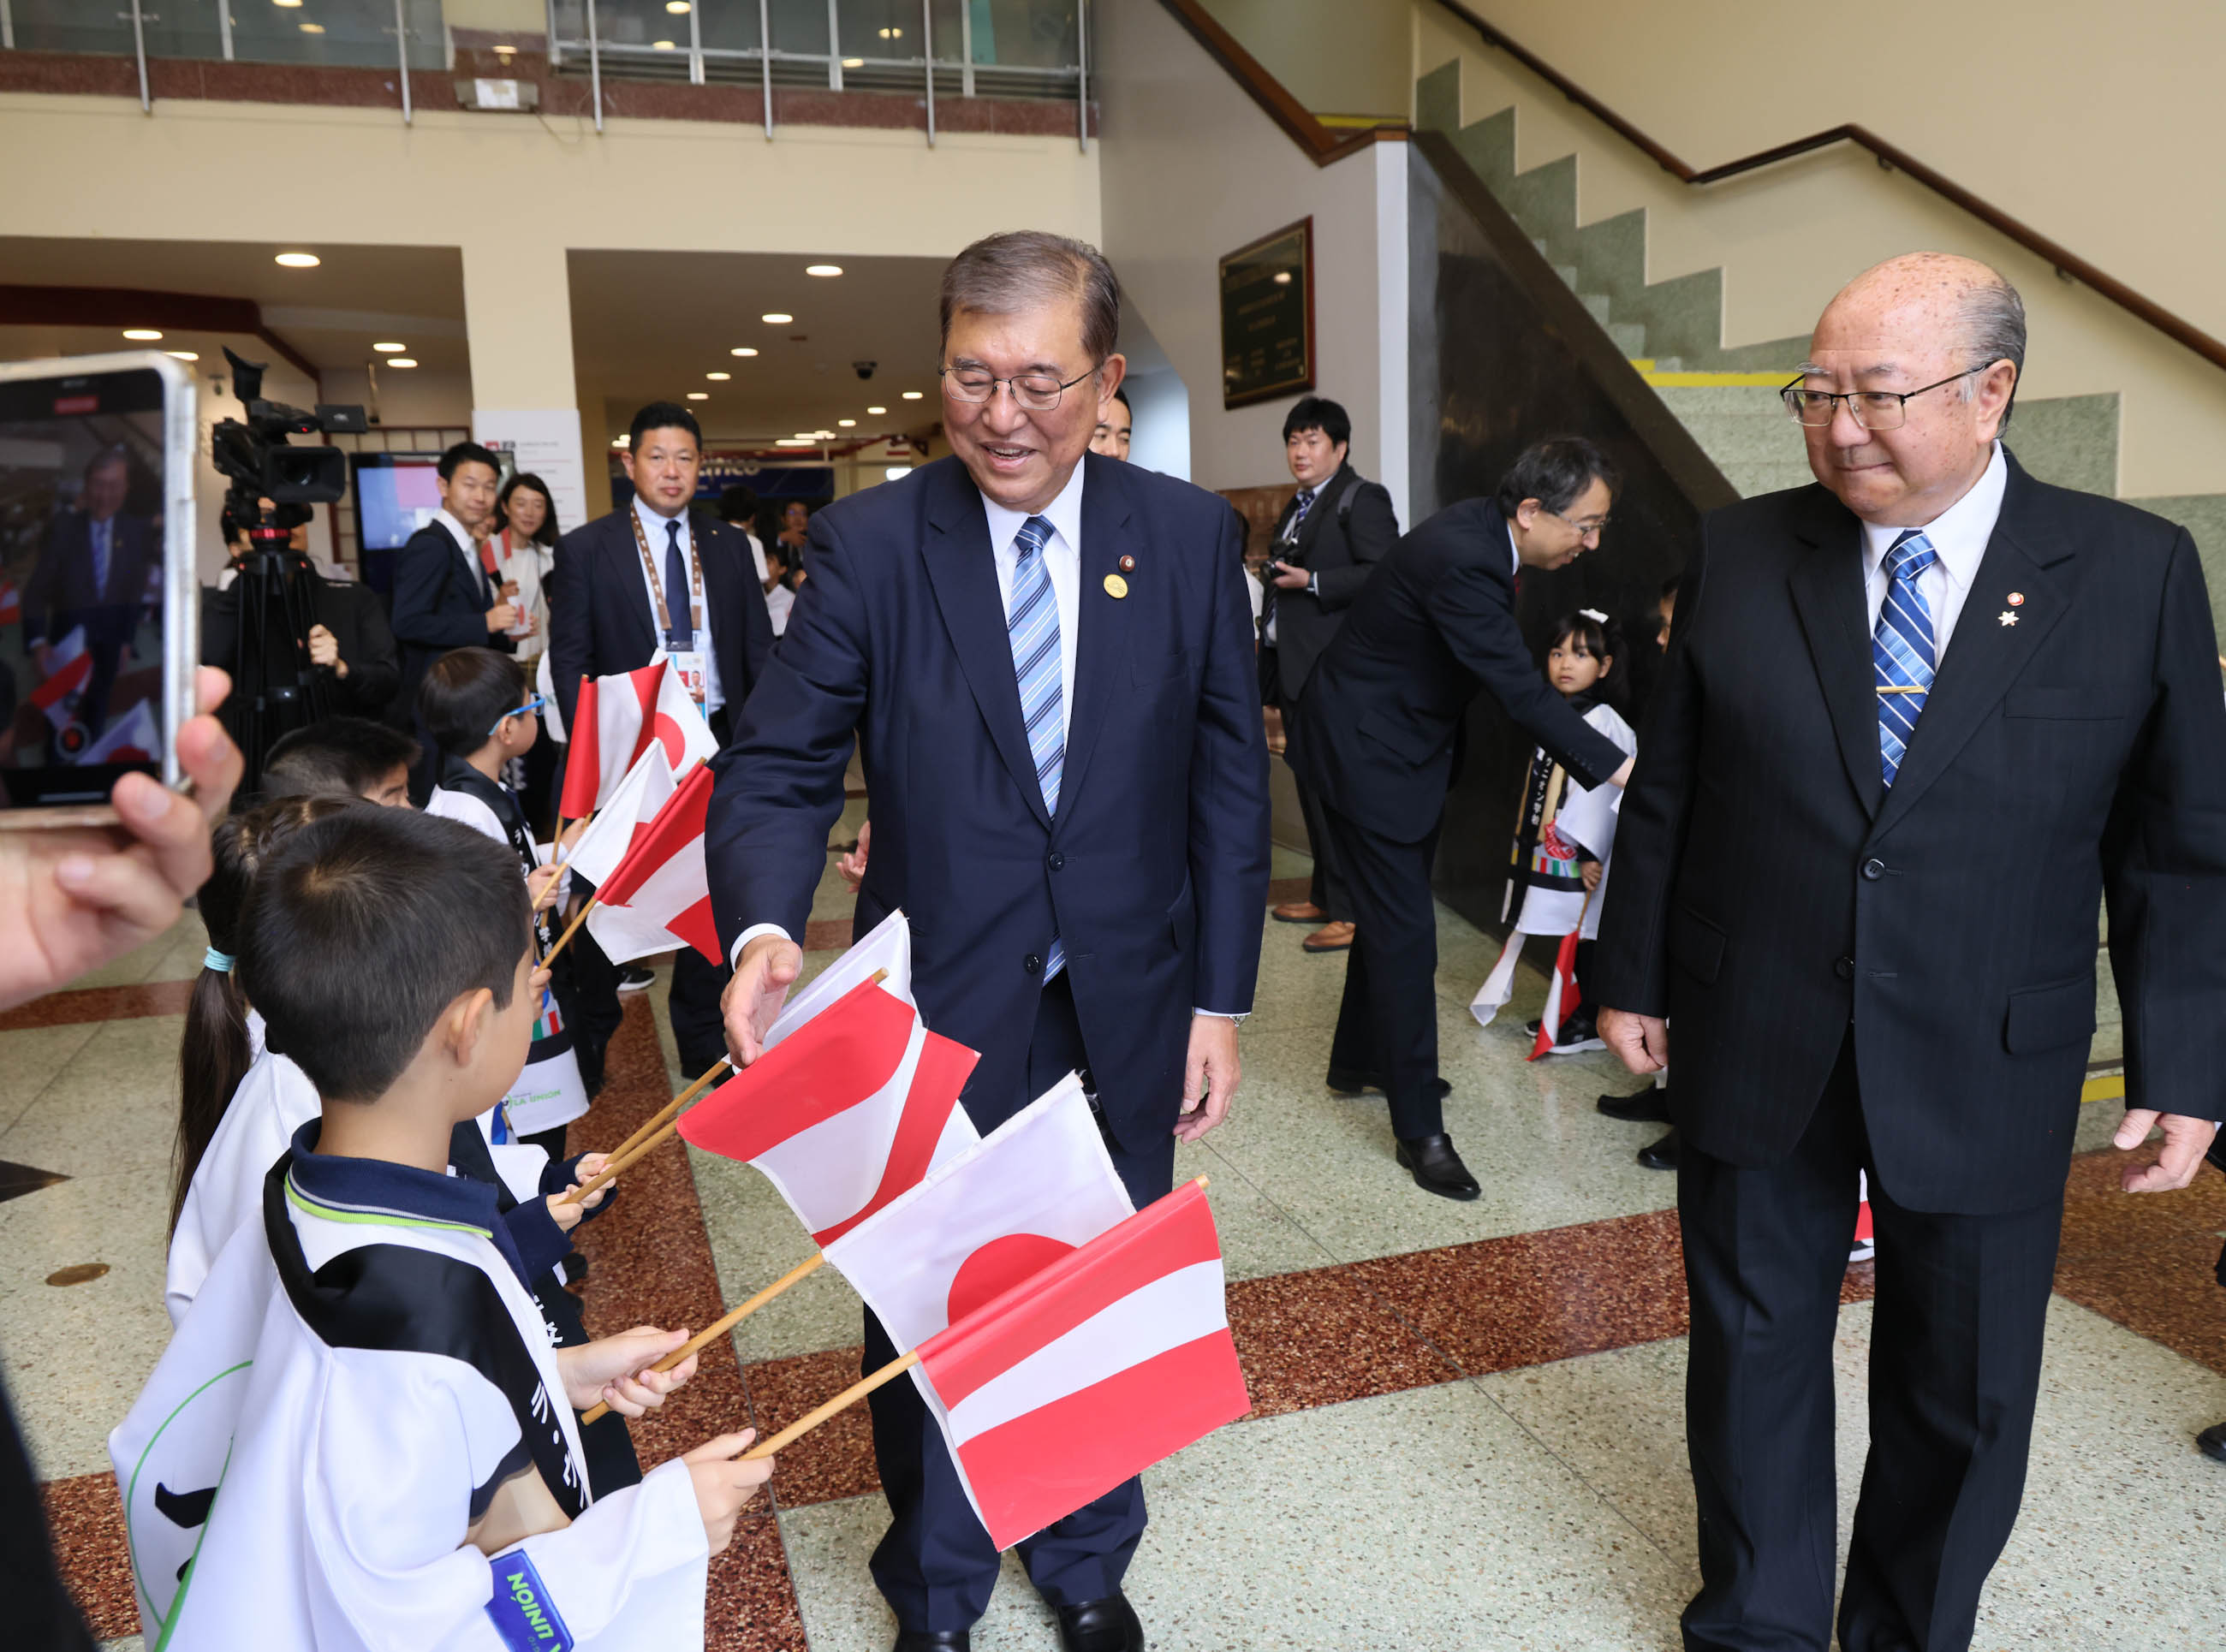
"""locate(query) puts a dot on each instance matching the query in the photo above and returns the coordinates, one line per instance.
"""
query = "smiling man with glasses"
(1046, 658)
(1917, 722)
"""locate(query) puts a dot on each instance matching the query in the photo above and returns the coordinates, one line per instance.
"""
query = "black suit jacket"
(600, 620)
(60, 595)
(1769, 888)
(356, 617)
(1340, 556)
(442, 595)
(1434, 623)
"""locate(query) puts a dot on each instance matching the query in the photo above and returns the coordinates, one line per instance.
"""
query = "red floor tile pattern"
(100, 1004)
(86, 1516)
(2146, 1261)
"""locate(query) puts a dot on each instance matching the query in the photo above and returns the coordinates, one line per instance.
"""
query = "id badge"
(688, 666)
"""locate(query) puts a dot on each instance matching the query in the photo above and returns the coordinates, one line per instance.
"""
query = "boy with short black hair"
(362, 1410)
(342, 756)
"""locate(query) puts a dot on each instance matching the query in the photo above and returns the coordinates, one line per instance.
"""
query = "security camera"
(864, 369)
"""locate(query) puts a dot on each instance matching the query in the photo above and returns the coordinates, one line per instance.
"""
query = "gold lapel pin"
(1115, 586)
(2007, 617)
(1128, 564)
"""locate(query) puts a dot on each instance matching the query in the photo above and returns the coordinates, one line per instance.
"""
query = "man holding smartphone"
(1336, 528)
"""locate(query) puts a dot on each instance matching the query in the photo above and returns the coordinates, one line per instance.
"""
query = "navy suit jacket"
(1156, 870)
(60, 596)
(442, 596)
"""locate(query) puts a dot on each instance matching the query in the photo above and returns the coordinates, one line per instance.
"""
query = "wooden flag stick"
(841, 1403)
(619, 1165)
(711, 1334)
(570, 930)
(666, 1114)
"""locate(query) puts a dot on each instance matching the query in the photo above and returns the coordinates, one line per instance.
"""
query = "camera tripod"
(274, 689)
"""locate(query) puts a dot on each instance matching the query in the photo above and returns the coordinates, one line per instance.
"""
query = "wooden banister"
(1298, 123)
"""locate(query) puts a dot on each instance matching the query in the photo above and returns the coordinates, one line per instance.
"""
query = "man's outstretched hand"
(73, 898)
(1641, 1042)
(768, 969)
(2178, 1156)
(1209, 1075)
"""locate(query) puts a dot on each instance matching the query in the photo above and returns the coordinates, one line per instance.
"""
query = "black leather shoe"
(1645, 1107)
(1107, 1626)
(2212, 1441)
(1437, 1168)
(1350, 1081)
(932, 1640)
(1660, 1155)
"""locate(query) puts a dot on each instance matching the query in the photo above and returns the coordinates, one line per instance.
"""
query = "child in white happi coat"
(1557, 875)
(362, 1437)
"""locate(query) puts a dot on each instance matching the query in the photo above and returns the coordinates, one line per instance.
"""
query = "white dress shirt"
(652, 527)
(1062, 555)
(1959, 535)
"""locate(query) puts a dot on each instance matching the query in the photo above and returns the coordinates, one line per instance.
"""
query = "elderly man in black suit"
(1379, 739)
(92, 576)
(1336, 527)
(1917, 722)
(652, 575)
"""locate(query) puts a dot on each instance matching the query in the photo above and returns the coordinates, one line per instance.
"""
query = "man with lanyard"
(652, 576)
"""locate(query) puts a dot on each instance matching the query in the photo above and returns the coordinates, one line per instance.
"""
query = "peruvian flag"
(1564, 994)
(71, 669)
(659, 896)
(616, 719)
(1028, 1193)
(1108, 1357)
(135, 739)
(887, 949)
(11, 603)
(852, 1110)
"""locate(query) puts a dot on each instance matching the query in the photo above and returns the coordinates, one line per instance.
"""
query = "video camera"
(255, 454)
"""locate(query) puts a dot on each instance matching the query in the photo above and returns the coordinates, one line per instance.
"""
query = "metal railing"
(966, 48)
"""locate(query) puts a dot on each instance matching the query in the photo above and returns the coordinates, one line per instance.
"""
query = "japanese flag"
(618, 718)
(1025, 1195)
(1109, 1357)
(69, 669)
(134, 739)
(659, 897)
(848, 1113)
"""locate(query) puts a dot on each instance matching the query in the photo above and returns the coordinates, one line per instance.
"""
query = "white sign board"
(546, 442)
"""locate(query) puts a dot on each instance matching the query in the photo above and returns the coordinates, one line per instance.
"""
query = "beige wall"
(1337, 57)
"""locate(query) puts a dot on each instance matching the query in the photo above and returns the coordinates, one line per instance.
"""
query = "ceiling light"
(699, 395)
(313, 29)
(742, 350)
(893, 34)
(853, 62)
(142, 334)
(822, 268)
(183, 355)
(824, 435)
(912, 396)
(401, 361)
(847, 424)
(299, 260)
(718, 376)
(389, 348)
(286, 5)
(661, 46)
(677, 8)
(793, 442)
(877, 410)
(774, 318)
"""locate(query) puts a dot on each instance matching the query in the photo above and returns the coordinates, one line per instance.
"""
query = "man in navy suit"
(91, 575)
(1047, 658)
(443, 596)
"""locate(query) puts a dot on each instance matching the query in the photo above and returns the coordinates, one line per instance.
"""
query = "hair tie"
(1594, 615)
(219, 962)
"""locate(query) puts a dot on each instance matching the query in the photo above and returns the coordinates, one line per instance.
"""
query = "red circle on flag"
(667, 734)
(999, 1266)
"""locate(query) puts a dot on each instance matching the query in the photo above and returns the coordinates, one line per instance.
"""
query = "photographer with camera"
(349, 646)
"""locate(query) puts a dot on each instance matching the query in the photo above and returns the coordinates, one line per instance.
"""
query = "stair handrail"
(1889, 155)
(1322, 144)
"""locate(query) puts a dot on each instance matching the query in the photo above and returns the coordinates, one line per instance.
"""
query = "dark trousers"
(937, 1565)
(1388, 1024)
(1955, 1348)
(1328, 889)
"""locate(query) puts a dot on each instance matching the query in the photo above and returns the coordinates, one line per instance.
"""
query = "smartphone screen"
(82, 587)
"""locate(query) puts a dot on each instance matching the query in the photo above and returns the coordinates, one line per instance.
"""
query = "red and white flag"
(1108, 1357)
(617, 718)
(659, 897)
(887, 949)
(623, 821)
(1032, 1190)
(11, 603)
(847, 1114)
(69, 669)
(134, 738)
(1563, 994)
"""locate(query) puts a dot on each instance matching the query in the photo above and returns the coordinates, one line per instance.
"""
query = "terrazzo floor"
(1467, 1430)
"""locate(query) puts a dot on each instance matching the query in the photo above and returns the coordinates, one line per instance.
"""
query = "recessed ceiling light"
(912, 396)
(299, 260)
(893, 34)
(699, 395)
(853, 62)
(877, 410)
(824, 435)
(286, 5)
(847, 424)
(401, 361)
(389, 348)
(313, 29)
(183, 355)
(142, 334)
(742, 350)
(661, 46)
(774, 318)
(718, 376)
(677, 8)
(793, 442)
(822, 268)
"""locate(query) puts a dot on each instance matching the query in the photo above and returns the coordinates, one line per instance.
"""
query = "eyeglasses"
(1590, 528)
(1872, 410)
(534, 704)
(1037, 392)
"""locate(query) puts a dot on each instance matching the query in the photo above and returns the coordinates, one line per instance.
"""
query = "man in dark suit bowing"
(1047, 657)
(655, 575)
(1378, 738)
(1917, 722)
(1336, 527)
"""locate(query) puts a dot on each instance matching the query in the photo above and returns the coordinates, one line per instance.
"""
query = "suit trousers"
(1328, 890)
(1387, 1023)
(1954, 1370)
(937, 1565)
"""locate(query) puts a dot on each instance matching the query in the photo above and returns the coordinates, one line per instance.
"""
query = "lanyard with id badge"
(683, 646)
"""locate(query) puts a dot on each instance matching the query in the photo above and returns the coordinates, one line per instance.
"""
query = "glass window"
(357, 32)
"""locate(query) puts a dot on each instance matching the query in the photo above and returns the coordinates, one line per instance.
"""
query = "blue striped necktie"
(1901, 648)
(1032, 627)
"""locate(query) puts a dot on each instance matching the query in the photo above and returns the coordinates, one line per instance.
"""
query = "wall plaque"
(1268, 317)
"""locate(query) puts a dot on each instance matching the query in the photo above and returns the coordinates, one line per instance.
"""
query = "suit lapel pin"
(2017, 598)
(1128, 564)
(1115, 586)
(2007, 617)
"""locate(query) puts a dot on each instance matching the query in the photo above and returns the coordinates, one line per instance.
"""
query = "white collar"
(1064, 513)
(1514, 551)
(1958, 534)
(458, 532)
(653, 525)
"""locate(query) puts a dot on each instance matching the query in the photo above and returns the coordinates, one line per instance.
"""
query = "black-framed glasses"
(1037, 392)
(1590, 528)
(1872, 409)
